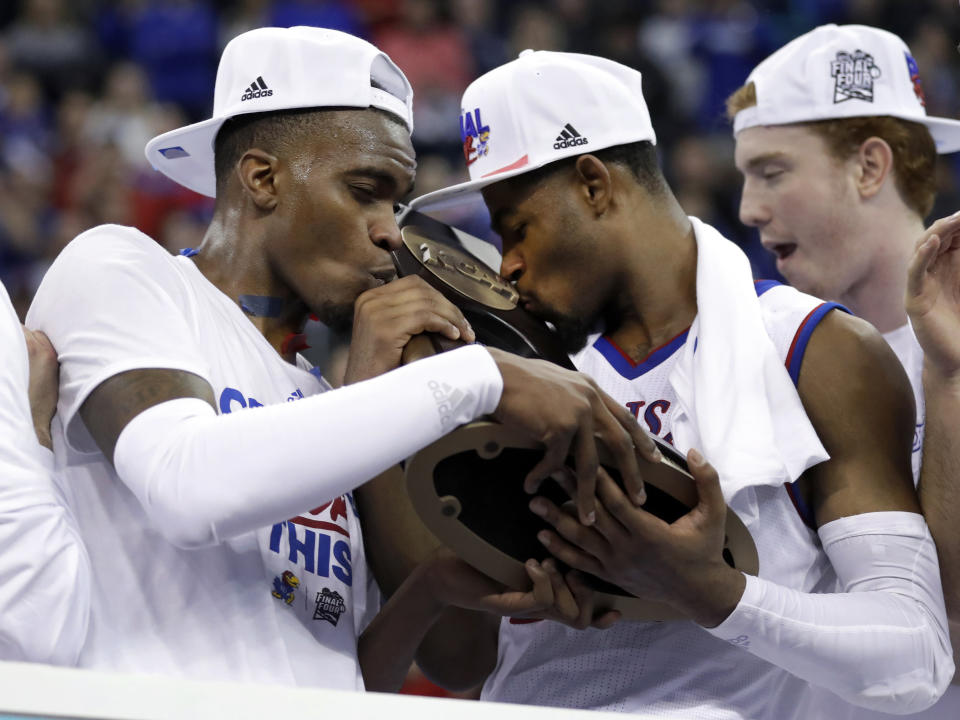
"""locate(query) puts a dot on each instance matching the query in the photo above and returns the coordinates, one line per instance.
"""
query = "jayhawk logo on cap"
(853, 75)
(474, 134)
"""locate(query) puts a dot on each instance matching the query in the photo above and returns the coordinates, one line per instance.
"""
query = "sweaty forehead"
(527, 190)
(531, 196)
(366, 137)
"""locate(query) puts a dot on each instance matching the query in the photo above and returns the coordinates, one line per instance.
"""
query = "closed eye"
(364, 193)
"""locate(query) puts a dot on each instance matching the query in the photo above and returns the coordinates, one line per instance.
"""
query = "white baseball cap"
(842, 71)
(542, 107)
(280, 69)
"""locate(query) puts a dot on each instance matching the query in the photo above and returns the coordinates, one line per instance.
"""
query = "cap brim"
(945, 132)
(185, 155)
(458, 194)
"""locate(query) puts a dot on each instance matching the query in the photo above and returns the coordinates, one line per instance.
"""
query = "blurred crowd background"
(85, 83)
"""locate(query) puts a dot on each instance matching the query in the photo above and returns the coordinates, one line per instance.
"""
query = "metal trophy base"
(468, 490)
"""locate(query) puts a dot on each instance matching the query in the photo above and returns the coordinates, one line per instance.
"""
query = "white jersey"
(282, 605)
(676, 669)
(44, 571)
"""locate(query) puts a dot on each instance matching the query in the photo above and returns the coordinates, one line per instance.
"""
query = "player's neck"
(658, 294)
(238, 267)
(878, 297)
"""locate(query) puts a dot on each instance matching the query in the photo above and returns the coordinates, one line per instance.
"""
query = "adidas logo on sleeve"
(258, 88)
(569, 137)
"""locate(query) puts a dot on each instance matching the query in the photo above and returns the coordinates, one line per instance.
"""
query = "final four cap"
(542, 107)
(843, 71)
(281, 69)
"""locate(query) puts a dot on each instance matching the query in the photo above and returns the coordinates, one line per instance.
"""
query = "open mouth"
(784, 251)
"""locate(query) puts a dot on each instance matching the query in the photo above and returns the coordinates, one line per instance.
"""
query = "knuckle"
(620, 442)
(616, 505)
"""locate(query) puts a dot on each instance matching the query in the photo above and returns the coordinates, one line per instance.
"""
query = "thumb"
(707, 481)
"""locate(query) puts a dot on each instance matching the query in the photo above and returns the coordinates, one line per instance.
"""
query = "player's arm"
(939, 481)
(42, 388)
(44, 569)
(205, 477)
(386, 647)
(460, 648)
(933, 303)
(881, 642)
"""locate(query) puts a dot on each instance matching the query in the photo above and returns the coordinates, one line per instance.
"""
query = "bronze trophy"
(467, 487)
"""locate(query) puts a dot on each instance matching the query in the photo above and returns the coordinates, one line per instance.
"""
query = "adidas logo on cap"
(258, 88)
(569, 137)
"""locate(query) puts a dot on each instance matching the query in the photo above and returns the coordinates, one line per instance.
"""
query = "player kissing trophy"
(468, 487)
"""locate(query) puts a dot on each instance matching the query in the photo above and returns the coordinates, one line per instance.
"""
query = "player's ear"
(257, 172)
(595, 182)
(874, 164)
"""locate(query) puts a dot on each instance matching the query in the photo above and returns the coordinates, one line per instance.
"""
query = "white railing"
(41, 691)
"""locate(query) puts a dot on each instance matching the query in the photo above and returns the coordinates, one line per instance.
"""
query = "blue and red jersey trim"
(799, 345)
(793, 363)
(761, 286)
(621, 362)
(630, 370)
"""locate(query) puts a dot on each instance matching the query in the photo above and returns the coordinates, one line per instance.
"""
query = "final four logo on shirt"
(474, 134)
(853, 75)
(330, 606)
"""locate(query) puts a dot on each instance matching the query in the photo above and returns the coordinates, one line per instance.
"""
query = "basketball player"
(802, 409)
(838, 158)
(209, 473)
(44, 570)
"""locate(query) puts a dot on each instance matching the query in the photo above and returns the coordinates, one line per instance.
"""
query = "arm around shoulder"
(44, 568)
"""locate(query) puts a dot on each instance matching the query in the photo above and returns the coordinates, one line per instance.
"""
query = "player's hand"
(552, 596)
(933, 296)
(680, 564)
(569, 413)
(44, 383)
(386, 317)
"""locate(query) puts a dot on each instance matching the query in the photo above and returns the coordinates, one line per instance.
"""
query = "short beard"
(339, 318)
(572, 332)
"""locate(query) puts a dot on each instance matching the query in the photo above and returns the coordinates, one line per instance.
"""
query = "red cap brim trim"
(512, 166)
